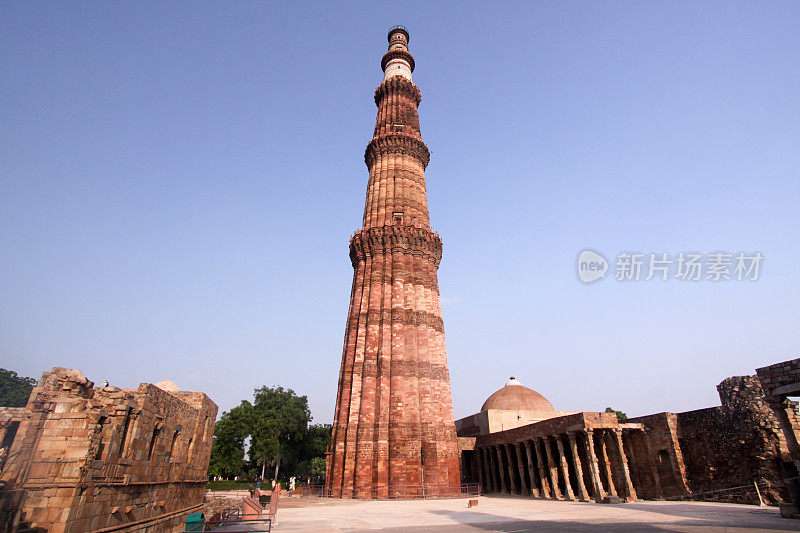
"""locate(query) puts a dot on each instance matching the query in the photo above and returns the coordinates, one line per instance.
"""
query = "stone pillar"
(493, 479)
(552, 468)
(479, 468)
(476, 470)
(531, 470)
(487, 469)
(634, 461)
(594, 467)
(512, 483)
(625, 471)
(779, 407)
(607, 466)
(501, 467)
(495, 471)
(546, 493)
(653, 465)
(573, 445)
(562, 459)
(523, 486)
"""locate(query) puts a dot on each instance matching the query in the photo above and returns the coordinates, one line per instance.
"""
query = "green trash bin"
(195, 523)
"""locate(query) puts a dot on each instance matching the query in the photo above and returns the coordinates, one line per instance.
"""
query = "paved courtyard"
(517, 515)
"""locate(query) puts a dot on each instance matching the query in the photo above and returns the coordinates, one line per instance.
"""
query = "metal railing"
(390, 492)
(232, 520)
(250, 525)
(751, 492)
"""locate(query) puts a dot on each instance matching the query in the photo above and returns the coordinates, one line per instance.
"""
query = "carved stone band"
(391, 239)
(397, 143)
(397, 54)
(398, 85)
(406, 317)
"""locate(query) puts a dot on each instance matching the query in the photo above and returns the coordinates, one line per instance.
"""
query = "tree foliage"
(313, 447)
(621, 417)
(14, 389)
(227, 448)
(280, 420)
(275, 429)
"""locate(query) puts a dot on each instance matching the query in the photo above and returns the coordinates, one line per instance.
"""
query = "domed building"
(512, 406)
(519, 443)
(515, 396)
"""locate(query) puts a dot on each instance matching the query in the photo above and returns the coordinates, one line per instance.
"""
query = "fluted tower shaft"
(393, 427)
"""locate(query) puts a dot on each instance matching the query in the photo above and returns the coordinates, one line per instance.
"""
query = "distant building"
(79, 458)
(518, 443)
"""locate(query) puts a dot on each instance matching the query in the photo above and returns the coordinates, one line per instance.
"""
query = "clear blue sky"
(179, 182)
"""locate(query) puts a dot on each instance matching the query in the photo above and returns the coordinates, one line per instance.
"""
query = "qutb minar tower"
(393, 431)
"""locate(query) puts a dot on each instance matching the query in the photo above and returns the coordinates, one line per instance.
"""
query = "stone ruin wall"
(105, 459)
(781, 375)
(639, 465)
(658, 448)
(780, 381)
(734, 445)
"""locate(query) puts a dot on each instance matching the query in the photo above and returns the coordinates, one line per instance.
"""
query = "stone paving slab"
(510, 514)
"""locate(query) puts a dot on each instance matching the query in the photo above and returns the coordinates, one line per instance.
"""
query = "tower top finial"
(399, 29)
(398, 61)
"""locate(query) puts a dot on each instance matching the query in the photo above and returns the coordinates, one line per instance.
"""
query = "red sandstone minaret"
(393, 431)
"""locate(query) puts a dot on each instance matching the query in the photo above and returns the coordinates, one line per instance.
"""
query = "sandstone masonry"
(713, 454)
(780, 381)
(393, 426)
(84, 458)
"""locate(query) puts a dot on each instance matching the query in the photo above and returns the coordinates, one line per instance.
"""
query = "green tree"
(14, 389)
(621, 417)
(317, 440)
(227, 448)
(312, 469)
(276, 427)
(280, 422)
(311, 456)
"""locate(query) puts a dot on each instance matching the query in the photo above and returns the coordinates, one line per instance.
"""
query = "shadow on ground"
(490, 523)
(478, 521)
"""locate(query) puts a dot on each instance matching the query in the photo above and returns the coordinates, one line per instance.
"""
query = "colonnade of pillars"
(579, 465)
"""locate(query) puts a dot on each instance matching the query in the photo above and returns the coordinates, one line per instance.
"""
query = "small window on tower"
(398, 127)
(398, 217)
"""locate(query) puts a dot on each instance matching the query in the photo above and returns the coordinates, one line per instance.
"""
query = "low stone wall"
(216, 504)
